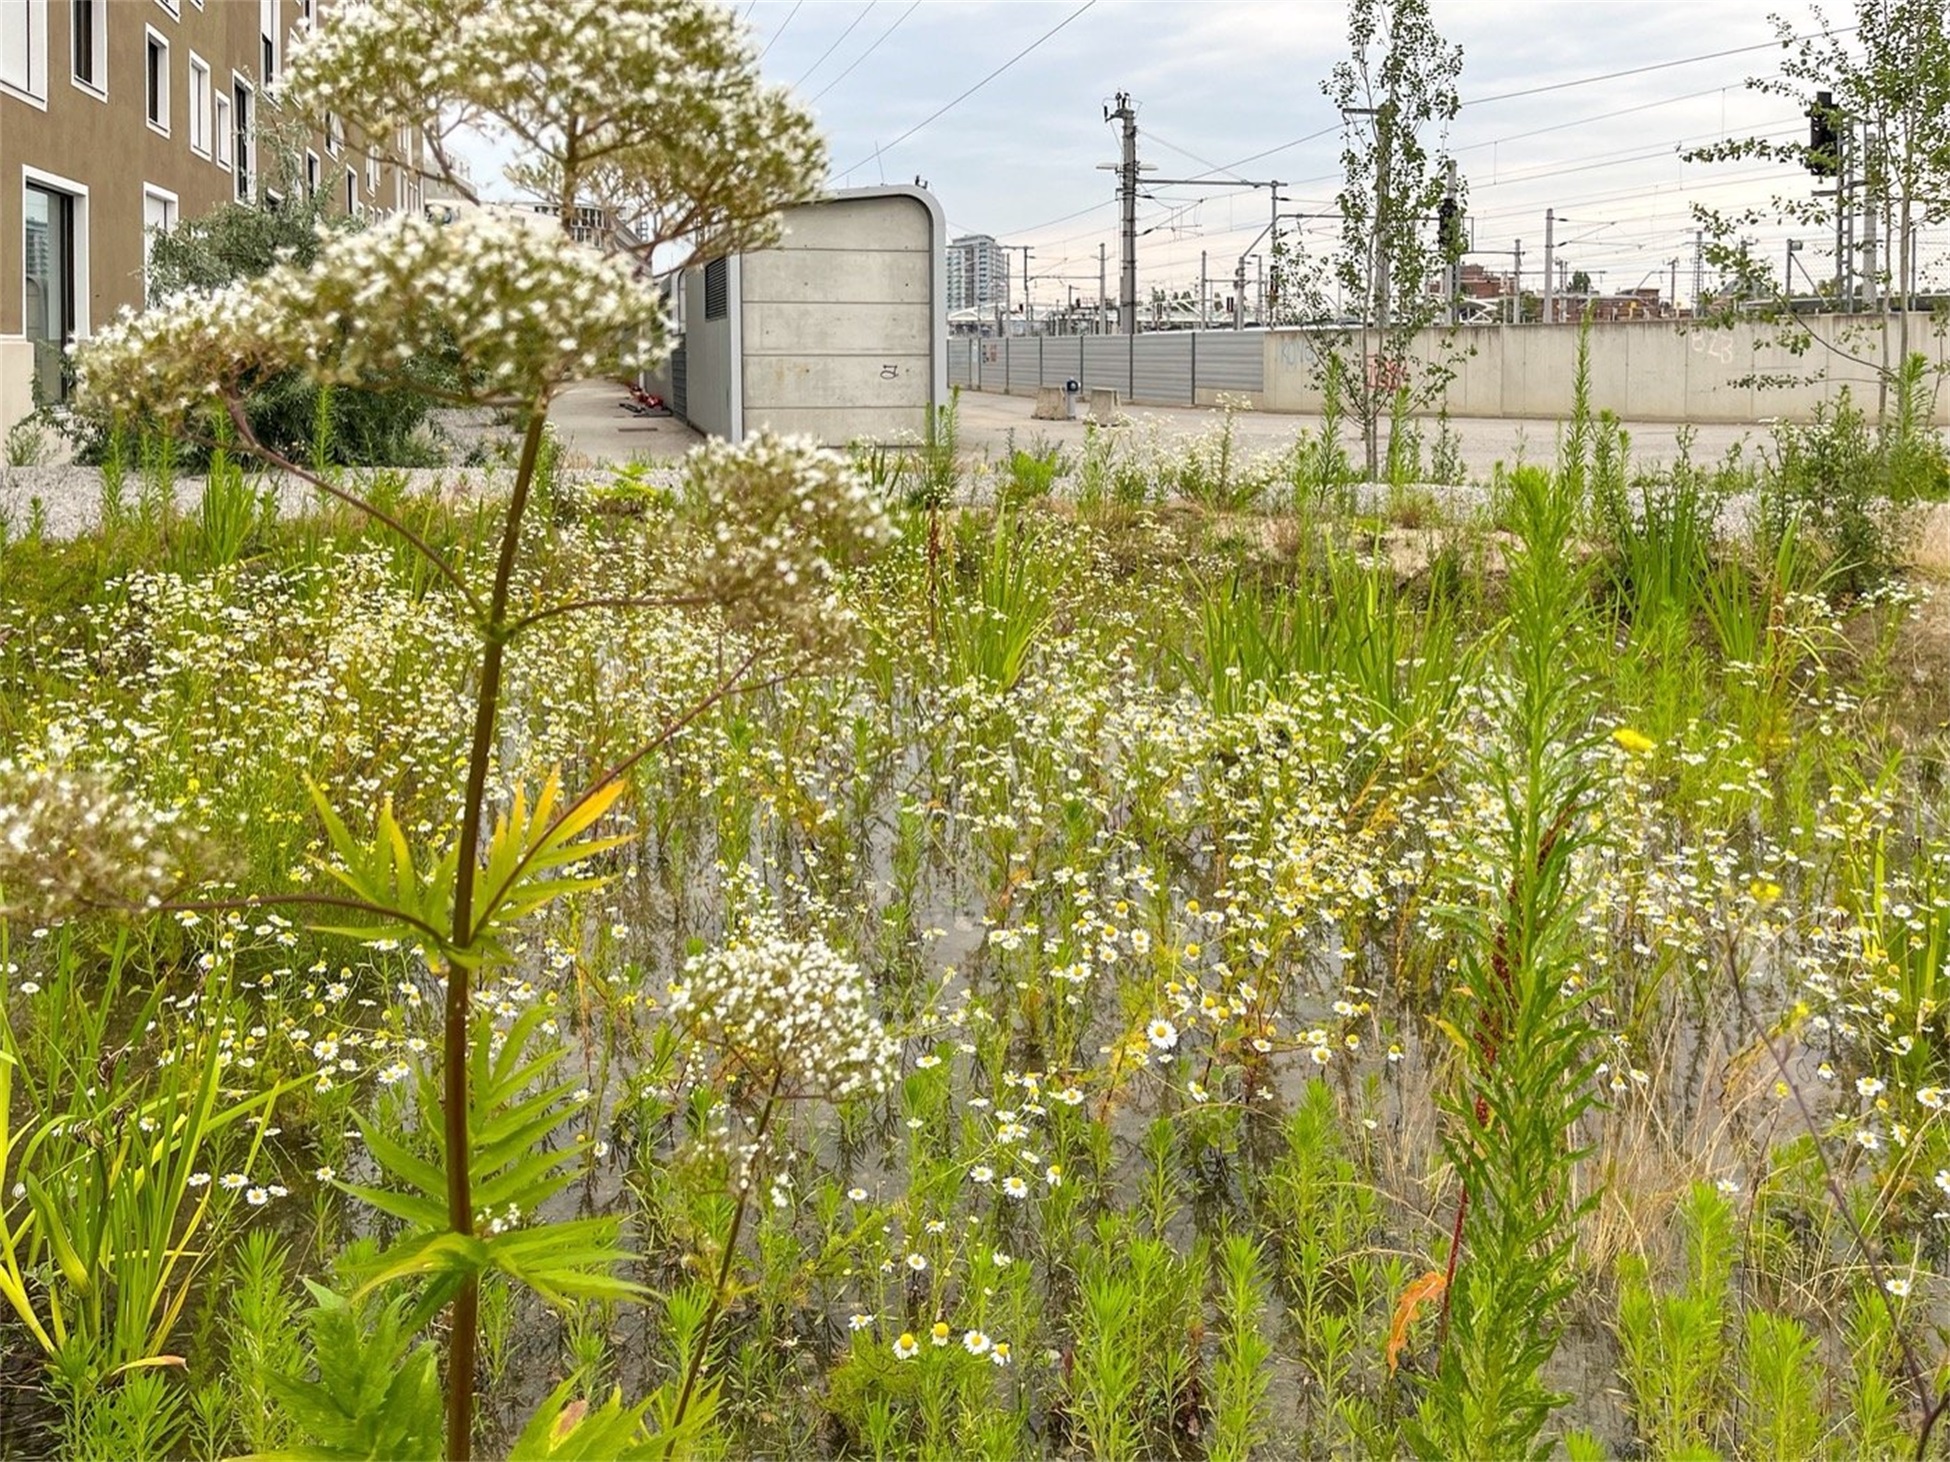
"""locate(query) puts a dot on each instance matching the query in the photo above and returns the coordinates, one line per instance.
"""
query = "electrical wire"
(836, 44)
(866, 53)
(1508, 96)
(781, 30)
(948, 107)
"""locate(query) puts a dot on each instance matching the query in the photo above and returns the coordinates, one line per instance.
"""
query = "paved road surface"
(987, 418)
(595, 426)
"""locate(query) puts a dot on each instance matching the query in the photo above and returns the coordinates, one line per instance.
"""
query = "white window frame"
(174, 8)
(314, 174)
(268, 30)
(98, 88)
(334, 135)
(34, 57)
(244, 166)
(82, 281)
(221, 137)
(372, 176)
(200, 111)
(154, 37)
(173, 215)
(351, 192)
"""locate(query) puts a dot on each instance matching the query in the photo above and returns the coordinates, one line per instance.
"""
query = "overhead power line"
(948, 107)
(1508, 96)
(836, 44)
(866, 53)
(781, 30)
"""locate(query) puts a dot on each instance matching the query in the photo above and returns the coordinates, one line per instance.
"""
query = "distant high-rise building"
(978, 275)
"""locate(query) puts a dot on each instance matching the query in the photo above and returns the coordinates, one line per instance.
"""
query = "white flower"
(917, 1262)
(1162, 1034)
(859, 1322)
(791, 1009)
(975, 1342)
(906, 1348)
(1898, 1287)
(1014, 1186)
(256, 1197)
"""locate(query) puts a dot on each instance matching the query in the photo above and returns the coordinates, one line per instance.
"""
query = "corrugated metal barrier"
(1163, 368)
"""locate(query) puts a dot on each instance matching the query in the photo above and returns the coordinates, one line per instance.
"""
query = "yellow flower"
(1764, 890)
(1636, 742)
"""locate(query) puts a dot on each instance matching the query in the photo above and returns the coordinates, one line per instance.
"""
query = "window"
(88, 25)
(267, 39)
(717, 289)
(199, 105)
(221, 135)
(158, 217)
(54, 273)
(372, 176)
(23, 48)
(334, 134)
(311, 173)
(351, 191)
(246, 148)
(157, 84)
(174, 7)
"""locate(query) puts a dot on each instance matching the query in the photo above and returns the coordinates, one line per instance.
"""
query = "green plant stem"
(463, 1336)
(696, 1363)
(1933, 1403)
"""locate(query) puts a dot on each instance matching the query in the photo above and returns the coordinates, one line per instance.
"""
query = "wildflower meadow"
(1154, 950)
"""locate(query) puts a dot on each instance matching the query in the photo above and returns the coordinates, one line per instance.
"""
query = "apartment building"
(978, 275)
(121, 117)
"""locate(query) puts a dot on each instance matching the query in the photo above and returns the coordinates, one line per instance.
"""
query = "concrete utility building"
(838, 333)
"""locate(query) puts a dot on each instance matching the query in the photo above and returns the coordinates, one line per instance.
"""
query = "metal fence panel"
(1062, 359)
(1107, 364)
(1161, 368)
(1022, 359)
(961, 356)
(679, 385)
(1231, 360)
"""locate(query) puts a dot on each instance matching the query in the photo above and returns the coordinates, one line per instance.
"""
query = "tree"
(1580, 282)
(1398, 83)
(1887, 123)
(653, 108)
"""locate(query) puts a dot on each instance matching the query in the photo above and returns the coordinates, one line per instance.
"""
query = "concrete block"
(1052, 404)
(1103, 406)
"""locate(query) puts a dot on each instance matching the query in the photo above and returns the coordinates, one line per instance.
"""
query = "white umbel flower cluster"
(523, 307)
(781, 518)
(655, 107)
(70, 842)
(794, 1013)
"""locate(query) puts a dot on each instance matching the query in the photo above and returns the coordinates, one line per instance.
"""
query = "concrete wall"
(839, 333)
(708, 359)
(842, 325)
(1642, 370)
(16, 381)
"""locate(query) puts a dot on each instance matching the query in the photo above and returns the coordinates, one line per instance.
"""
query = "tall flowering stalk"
(654, 109)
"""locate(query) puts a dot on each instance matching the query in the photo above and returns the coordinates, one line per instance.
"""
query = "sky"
(1581, 107)
(1218, 83)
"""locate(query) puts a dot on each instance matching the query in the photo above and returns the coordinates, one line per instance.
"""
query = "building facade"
(119, 118)
(978, 276)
